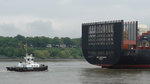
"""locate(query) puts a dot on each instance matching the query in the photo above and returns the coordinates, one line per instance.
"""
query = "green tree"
(14, 47)
(41, 54)
(8, 51)
(67, 41)
(64, 54)
(56, 41)
(77, 42)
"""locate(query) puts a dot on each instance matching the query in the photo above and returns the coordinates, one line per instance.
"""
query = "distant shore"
(39, 60)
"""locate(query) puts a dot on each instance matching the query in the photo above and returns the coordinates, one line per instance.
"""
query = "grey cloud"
(77, 11)
(40, 28)
(8, 30)
(45, 28)
(37, 28)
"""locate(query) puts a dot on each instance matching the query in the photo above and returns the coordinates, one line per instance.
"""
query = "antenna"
(25, 47)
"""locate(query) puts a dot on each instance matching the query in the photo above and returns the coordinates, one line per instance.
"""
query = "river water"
(74, 72)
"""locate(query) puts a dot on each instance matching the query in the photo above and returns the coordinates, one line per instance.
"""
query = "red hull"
(125, 66)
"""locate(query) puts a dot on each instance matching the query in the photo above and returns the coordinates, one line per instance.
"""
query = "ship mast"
(25, 46)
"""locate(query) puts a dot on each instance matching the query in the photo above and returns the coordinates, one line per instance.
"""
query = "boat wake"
(3, 70)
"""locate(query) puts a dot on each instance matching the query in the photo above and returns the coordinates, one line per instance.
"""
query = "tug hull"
(26, 69)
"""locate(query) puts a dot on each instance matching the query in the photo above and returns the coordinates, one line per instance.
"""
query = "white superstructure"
(142, 29)
(29, 62)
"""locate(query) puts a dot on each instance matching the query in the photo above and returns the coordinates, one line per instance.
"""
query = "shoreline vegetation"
(39, 60)
(43, 48)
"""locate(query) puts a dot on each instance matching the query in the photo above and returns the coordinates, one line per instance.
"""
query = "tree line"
(13, 47)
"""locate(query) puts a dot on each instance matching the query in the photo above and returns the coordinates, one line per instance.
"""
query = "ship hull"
(142, 66)
(27, 69)
(114, 44)
(141, 60)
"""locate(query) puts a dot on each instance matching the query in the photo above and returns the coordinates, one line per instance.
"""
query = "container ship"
(116, 44)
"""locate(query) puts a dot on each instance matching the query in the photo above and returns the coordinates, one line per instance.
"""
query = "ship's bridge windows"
(100, 34)
(101, 29)
(92, 29)
(144, 42)
(111, 27)
(106, 29)
(139, 44)
(147, 44)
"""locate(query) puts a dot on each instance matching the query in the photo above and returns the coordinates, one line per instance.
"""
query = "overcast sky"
(63, 18)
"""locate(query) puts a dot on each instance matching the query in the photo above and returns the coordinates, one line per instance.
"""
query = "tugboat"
(28, 65)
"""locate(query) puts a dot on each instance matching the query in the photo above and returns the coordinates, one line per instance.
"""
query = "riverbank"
(40, 60)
